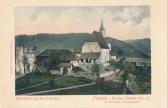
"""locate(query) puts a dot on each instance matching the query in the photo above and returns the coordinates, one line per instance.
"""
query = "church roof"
(98, 37)
(91, 55)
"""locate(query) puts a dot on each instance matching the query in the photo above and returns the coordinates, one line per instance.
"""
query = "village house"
(142, 65)
(65, 68)
(56, 61)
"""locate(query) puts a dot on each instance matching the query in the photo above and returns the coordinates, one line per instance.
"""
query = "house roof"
(98, 37)
(138, 60)
(64, 55)
(91, 55)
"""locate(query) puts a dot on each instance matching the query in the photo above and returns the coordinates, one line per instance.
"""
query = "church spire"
(102, 30)
(101, 26)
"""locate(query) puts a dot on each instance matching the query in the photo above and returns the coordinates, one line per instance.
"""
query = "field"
(52, 82)
(90, 90)
(33, 79)
(36, 82)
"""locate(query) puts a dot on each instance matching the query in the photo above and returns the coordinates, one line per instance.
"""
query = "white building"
(114, 58)
(65, 68)
(25, 66)
(96, 49)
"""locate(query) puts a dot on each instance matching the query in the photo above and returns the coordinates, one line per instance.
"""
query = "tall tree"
(96, 70)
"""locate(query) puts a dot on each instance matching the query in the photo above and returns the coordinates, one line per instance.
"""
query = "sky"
(120, 22)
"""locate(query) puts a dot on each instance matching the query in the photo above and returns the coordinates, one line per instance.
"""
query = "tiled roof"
(98, 37)
(64, 55)
(138, 60)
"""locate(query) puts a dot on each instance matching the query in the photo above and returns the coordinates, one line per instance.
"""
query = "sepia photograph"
(82, 50)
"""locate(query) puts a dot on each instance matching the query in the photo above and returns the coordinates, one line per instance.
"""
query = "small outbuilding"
(65, 68)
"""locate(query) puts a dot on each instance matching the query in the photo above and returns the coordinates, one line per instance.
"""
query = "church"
(95, 49)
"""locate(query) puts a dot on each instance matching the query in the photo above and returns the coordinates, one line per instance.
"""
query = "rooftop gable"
(98, 37)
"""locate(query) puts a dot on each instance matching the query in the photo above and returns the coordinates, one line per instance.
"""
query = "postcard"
(84, 54)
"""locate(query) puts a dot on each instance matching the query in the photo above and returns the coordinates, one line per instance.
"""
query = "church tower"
(102, 30)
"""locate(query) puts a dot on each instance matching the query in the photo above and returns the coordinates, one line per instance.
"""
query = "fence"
(112, 84)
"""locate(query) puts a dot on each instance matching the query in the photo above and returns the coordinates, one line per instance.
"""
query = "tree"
(96, 70)
(115, 64)
(112, 62)
(120, 52)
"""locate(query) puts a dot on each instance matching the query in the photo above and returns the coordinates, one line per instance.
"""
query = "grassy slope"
(59, 83)
(53, 41)
(143, 44)
(127, 49)
(34, 79)
(76, 40)
(90, 90)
